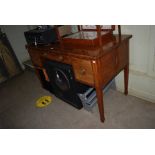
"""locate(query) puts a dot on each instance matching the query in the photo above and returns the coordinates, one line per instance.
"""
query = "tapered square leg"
(99, 93)
(126, 79)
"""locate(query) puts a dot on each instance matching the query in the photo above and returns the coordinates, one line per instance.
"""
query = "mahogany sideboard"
(92, 66)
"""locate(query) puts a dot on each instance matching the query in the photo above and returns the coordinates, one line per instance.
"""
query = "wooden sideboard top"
(87, 53)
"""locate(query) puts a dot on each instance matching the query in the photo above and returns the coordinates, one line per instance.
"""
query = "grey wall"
(15, 34)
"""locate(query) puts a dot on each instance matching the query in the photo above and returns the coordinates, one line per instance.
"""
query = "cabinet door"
(122, 56)
(108, 67)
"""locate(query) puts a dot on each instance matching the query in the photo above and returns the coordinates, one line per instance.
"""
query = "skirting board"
(140, 85)
(139, 94)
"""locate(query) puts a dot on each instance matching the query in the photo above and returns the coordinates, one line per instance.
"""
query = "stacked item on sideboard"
(89, 98)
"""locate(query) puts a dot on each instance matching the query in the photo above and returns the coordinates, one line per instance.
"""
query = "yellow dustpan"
(43, 101)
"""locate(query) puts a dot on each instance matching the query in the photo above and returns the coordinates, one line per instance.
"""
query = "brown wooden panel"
(57, 57)
(35, 57)
(122, 55)
(108, 67)
(86, 39)
(83, 70)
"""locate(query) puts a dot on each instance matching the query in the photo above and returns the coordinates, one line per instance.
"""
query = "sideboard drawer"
(83, 70)
(57, 57)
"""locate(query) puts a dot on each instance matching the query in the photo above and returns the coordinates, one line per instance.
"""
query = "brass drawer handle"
(45, 54)
(61, 58)
(83, 71)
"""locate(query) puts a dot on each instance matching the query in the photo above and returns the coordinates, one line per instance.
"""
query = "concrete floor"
(17, 109)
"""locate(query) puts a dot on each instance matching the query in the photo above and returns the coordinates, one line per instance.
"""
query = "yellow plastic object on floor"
(43, 101)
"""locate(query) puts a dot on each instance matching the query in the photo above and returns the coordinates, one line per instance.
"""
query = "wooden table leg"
(99, 93)
(126, 78)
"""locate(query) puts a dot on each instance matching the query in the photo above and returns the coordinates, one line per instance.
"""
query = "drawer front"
(83, 70)
(57, 57)
(35, 57)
